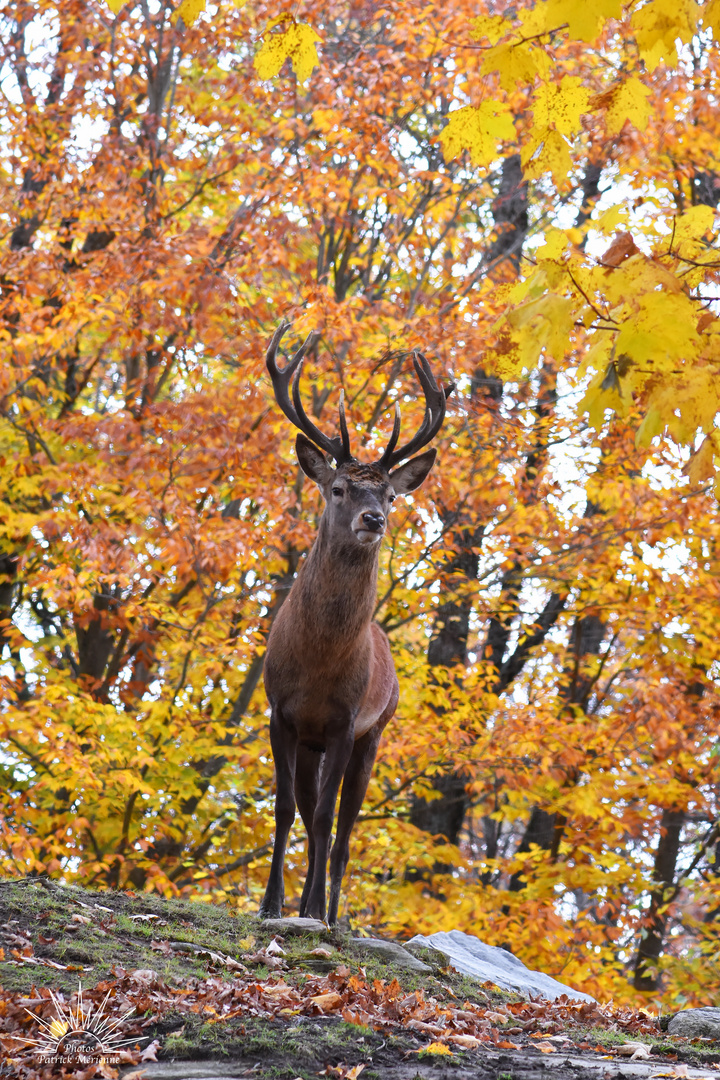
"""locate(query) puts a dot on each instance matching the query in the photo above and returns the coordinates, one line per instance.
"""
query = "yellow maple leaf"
(658, 25)
(188, 11)
(661, 331)
(516, 64)
(116, 6)
(477, 129)
(652, 425)
(547, 152)
(296, 41)
(701, 465)
(544, 323)
(604, 392)
(628, 101)
(492, 27)
(556, 242)
(697, 400)
(711, 17)
(583, 20)
(561, 104)
(694, 223)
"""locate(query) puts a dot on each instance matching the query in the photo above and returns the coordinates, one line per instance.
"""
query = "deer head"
(358, 496)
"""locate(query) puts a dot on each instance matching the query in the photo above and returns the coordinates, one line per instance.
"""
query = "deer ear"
(312, 461)
(411, 475)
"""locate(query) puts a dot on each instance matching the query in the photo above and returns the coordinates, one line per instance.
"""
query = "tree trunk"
(647, 976)
(449, 642)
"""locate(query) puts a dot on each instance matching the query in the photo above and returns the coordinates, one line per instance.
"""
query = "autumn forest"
(526, 192)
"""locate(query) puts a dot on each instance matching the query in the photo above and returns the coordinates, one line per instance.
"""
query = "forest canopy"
(527, 192)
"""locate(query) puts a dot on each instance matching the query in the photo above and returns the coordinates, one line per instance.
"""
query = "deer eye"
(338, 491)
(391, 498)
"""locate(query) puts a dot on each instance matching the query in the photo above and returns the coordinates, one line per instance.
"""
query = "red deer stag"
(329, 675)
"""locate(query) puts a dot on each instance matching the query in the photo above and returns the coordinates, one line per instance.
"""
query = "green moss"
(42, 909)
(298, 1045)
(606, 1037)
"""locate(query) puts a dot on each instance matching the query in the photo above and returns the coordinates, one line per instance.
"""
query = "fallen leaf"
(274, 949)
(438, 1048)
(261, 957)
(233, 964)
(636, 1051)
(344, 1072)
(162, 946)
(426, 1029)
(546, 1047)
(150, 1052)
(469, 1042)
(497, 1017)
(327, 1002)
(146, 977)
(325, 953)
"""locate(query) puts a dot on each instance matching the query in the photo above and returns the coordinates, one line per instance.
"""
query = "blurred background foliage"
(550, 780)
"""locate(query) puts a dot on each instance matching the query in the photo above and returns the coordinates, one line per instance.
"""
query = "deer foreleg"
(338, 749)
(283, 740)
(307, 777)
(355, 783)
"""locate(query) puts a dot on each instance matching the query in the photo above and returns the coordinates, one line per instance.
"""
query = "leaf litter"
(442, 1029)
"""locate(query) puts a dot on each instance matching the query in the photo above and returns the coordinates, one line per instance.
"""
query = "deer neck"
(337, 591)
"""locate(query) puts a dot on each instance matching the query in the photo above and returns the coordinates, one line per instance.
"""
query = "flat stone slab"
(188, 1070)
(526, 1065)
(696, 1023)
(470, 956)
(390, 951)
(295, 925)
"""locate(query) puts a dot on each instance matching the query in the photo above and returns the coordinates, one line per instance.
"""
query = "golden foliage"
(551, 594)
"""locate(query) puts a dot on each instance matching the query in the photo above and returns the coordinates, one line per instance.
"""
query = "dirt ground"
(199, 992)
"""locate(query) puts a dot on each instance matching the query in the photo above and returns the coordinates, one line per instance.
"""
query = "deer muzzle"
(369, 527)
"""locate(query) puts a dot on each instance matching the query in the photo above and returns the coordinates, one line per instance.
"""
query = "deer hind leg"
(307, 786)
(283, 740)
(338, 749)
(355, 783)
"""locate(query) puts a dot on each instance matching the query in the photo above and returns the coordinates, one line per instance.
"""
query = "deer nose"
(374, 522)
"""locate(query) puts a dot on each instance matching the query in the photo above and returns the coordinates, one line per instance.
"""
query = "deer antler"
(337, 446)
(435, 399)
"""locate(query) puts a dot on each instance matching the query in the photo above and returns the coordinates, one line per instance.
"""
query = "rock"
(470, 956)
(189, 1070)
(390, 952)
(295, 925)
(435, 957)
(695, 1023)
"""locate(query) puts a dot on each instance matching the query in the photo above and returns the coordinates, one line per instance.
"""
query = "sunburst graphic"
(82, 1034)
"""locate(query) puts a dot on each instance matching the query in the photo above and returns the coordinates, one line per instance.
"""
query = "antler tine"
(343, 428)
(281, 380)
(435, 399)
(339, 448)
(394, 435)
